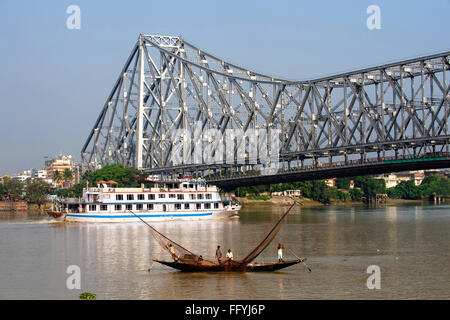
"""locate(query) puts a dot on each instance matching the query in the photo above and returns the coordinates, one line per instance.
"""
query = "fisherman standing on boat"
(219, 254)
(280, 252)
(172, 252)
(229, 255)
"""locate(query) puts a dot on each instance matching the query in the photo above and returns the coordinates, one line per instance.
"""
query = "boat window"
(191, 186)
(199, 206)
(130, 196)
(92, 207)
(192, 196)
(177, 206)
(151, 197)
(200, 196)
(207, 205)
(185, 185)
(141, 197)
(171, 195)
(150, 206)
(103, 207)
(129, 207)
(186, 205)
(208, 196)
(216, 206)
(106, 196)
(139, 206)
(118, 207)
(161, 195)
(180, 196)
(119, 196)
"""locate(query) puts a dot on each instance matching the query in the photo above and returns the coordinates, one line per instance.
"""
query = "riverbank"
(8, 207)
(305, 202)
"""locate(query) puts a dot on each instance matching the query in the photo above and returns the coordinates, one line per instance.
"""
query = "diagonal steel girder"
(167, 84)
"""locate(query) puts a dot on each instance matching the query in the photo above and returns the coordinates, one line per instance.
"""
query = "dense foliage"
(315, 189)
(432, 185)
(34, 191)
(364, 186)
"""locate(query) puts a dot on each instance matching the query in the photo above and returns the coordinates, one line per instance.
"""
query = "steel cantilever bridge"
(386, 118)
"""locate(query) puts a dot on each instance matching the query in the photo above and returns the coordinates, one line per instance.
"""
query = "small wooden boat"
(251, 267)
(185, 260)
(54, 214)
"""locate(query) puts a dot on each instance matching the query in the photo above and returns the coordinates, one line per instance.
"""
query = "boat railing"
(70, 200)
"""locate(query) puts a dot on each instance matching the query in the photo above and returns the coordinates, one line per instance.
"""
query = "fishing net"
(180, 253)
(267, 240)
(174, 249)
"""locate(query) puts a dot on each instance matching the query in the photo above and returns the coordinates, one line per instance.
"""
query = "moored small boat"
(54, 214)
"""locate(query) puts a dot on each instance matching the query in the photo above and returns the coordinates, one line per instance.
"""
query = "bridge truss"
(167, 84)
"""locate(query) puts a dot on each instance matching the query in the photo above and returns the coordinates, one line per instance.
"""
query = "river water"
(409, 244)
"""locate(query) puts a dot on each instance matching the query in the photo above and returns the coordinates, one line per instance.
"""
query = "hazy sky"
(54, 81)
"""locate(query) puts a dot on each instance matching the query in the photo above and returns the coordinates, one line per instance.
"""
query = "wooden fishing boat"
(185, 260)
(215, 267)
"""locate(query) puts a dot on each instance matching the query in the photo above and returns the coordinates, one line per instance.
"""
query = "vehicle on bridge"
(164, 200)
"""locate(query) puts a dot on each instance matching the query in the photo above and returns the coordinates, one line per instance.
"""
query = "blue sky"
(54, 81)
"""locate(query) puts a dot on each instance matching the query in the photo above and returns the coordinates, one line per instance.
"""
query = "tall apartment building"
(59, 164)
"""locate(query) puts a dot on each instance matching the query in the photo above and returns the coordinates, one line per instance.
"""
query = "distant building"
(59, 164)
(292, 193)
(21, 177)
(77, 173)
(288, 193)
(393, 179)
(417, 176)
(330, 182)
(433, 172)
(41, 174)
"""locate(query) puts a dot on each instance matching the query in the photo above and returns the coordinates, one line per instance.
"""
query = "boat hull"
(54, 214)
(150, 216)
(229, 267)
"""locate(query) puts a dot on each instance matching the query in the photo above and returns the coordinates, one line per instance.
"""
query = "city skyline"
(57, 80)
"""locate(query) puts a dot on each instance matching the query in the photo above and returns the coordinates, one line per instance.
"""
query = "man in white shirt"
(229, 255)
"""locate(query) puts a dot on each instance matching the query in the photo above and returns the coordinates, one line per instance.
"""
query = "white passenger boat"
(177, 199)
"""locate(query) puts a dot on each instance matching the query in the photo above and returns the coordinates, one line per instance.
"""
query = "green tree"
(125, 177)
(370, 186)
(13, 187)
(57, 177)
(2, 189)
(37, 191)
(356, 194)
(435, 184)
(67, 176)
(342, 183)
(405, 190)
